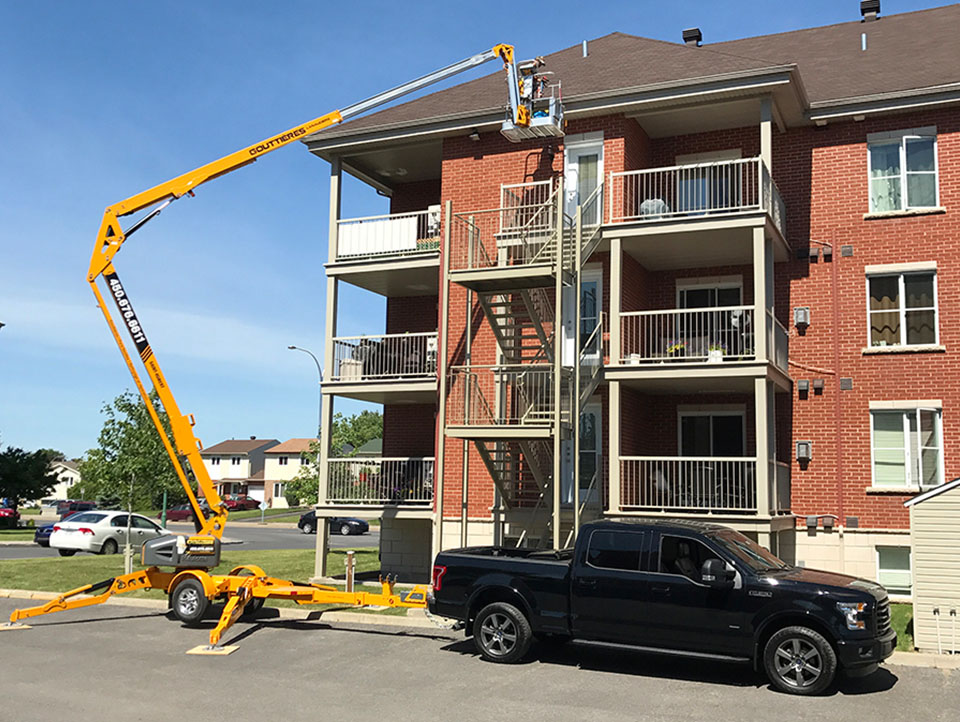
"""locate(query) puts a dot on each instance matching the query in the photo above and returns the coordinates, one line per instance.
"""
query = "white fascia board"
(885, 102)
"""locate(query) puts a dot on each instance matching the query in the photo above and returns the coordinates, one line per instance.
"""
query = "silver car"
(102, 532)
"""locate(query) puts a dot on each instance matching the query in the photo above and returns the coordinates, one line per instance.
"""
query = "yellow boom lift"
(190, 585)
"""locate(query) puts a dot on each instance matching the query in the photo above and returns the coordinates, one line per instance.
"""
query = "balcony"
(391, 368)
(701, 486)
(515, 401)
(393, 255)
(361, 484)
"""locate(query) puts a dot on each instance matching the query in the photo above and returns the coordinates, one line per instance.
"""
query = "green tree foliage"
(25, 476)
(129, 447)
(348, 435)
(52, 454)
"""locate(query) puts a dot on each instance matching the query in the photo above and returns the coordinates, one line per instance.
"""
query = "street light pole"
(319, 402)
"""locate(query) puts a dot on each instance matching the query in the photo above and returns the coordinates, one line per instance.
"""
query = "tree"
(25, 476)
(347, 433)
(52, 454)
(130, 449)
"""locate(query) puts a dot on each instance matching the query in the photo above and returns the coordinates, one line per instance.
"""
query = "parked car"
(240, 502)
(184, 512)
(101, 532)
(344, 525)
(678, 587)
(8, 517)
(41, 535)
(65, 508)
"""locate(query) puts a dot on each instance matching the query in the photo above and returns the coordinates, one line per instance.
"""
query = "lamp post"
(319, 402)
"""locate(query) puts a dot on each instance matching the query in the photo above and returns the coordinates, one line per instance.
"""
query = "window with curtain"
(903, 173)
(903, 309)
(907, 448)
(893, 569)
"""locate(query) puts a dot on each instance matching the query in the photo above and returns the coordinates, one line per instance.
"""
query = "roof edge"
(936, 491)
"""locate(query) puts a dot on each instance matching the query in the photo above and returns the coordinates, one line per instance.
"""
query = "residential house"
(236, 466)
(725, 292)
(68, 474)
(281, 464)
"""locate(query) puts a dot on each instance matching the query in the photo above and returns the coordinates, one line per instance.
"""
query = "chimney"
(252, 438)
(869, 9)
(692, 37)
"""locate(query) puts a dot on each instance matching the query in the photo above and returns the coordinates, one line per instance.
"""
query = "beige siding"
(935, 536)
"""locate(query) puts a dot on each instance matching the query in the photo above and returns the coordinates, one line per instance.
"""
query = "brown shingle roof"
(904, 52)
(291, 446)
(239, 446)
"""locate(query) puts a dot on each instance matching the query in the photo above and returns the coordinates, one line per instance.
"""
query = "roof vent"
(252, 438)
(869, 9)
(692, 37)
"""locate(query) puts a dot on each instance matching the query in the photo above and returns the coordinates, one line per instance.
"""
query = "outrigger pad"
(216, 651)
(13, 626)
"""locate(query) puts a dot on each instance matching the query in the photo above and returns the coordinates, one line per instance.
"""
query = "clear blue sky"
(101, 100)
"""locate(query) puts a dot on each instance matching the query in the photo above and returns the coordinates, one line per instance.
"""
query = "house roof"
(239, 446)
(72, 465)
(291, 446)
(933, 492)
(905, 52)
(374, 447)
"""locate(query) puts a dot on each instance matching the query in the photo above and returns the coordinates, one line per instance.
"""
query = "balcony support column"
(766, 132)
(442, 359)
(613, 393)
(616, 299)
(762, 393)
(762, 295)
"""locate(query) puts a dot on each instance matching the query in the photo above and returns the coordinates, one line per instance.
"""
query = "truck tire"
(502, 633)
(189, 601)
(800, 661)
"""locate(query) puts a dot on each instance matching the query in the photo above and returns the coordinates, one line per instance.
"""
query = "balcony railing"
(681, 335)
(384, 358)
(515, 395)
(656, 194)
(396, 480)
(693, 484)
(779, 487)
(779, 342)
(396, 234)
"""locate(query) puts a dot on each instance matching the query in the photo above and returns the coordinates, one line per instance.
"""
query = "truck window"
(680, 555)
(623, 550)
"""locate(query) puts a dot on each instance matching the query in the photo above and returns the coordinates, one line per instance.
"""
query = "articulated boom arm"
(186, 452)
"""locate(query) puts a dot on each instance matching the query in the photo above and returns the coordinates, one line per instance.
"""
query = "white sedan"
(102, 532)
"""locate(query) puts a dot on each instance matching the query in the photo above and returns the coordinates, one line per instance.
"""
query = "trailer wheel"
(502, 633)
(189, 601)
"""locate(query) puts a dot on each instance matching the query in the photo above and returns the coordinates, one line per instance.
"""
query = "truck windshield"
(748, 551)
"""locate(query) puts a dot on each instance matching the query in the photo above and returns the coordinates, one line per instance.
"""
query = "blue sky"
(101, 100)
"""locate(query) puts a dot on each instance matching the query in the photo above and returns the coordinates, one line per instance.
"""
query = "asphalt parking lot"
(125, 663)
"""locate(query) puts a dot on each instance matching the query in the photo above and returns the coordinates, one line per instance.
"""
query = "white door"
(583, 172)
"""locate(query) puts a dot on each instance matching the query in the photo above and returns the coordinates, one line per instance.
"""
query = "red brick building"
(726, 291)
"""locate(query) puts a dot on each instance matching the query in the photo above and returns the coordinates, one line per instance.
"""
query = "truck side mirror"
(715, 573)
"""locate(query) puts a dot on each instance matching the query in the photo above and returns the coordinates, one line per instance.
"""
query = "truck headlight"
(852, 611)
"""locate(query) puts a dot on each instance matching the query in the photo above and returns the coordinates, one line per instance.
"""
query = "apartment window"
(893, 569)
(279, 488)
(282, 460)
(304, 461)
(907, 448)
(903, 309)
(903, 171)
(214, 461)
(235, 461)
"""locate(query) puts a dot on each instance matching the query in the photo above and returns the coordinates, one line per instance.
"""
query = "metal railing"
(687, 483)
(518, 235)
(779, 487)
(394, 234)
(520, 205)
(511, 395)
(733, 186)
(591, 223)
(385, 357)
(781, 345)
(680, 335)
(394, 480)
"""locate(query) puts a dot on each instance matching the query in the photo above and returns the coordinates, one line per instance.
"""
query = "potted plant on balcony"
(715, 353)
(677, 348)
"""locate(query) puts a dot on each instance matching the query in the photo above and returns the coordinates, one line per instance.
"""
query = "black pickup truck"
(679, 587)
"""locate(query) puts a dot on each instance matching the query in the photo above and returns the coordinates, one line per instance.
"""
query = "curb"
(415, 619)
(23, 543)
(924, 659)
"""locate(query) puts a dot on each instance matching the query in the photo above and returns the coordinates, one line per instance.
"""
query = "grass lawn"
(61, 574)
(30, 511)
(16, 534)
(901, 618)
(267, 513)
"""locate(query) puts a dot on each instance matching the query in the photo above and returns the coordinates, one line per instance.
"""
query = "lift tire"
(109, 547)
(67, 552)
(189, 601)
(502, 633)
(816, 664)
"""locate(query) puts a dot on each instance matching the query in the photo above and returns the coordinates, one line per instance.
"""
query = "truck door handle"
(587, 583)
(660, 589)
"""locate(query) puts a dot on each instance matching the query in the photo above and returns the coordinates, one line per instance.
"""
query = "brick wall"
(412, 314)
(408, 429)
(415, 196)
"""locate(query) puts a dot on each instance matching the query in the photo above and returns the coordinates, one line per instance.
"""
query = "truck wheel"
(502, 633)
(800, 661)
(189, 601)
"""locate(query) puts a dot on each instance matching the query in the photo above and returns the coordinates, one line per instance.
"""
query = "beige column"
(762, 412)
(613, 446)
(616, 298)
(760, 300)
(438, 464)
(766, 132)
